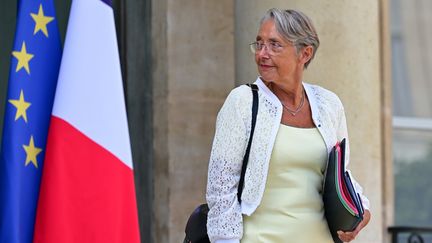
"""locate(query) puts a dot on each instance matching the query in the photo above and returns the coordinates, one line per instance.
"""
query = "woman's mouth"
(265, 67)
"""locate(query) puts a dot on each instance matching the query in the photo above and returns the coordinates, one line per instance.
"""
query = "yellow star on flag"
(31, 152)
(21, 105)
(41, 21)
(23, 58)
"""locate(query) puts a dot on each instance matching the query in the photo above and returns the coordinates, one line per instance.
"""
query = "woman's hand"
(349, 236)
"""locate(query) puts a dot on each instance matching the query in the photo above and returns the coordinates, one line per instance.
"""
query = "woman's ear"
(306, 53)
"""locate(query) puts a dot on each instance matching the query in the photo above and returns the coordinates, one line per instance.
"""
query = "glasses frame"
(273, 47)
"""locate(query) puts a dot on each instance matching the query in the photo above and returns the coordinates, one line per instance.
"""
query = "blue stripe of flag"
(19, 183)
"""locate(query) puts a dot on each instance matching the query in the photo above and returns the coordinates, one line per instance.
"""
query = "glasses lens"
(253, 47)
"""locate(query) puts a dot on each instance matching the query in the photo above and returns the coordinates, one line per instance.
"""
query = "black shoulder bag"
(196, 227)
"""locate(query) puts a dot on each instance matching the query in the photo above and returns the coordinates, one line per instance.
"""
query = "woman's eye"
(275, 44)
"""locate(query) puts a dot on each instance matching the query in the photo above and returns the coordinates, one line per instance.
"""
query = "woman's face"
(279, 64)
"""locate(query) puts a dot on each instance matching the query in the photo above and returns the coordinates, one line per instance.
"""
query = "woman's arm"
(343, 133)
(224, 222)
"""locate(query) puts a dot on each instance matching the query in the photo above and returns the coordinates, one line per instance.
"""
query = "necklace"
(294, 112)
(297, 110)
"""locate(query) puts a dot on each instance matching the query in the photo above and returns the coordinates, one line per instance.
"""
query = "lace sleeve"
(224, 218)
(342, 132)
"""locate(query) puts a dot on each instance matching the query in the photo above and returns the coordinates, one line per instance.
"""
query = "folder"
(343, 208)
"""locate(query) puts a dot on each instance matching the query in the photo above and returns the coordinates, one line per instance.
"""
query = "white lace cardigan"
(225, 222)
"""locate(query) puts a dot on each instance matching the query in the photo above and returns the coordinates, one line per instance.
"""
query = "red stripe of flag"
(87, 194)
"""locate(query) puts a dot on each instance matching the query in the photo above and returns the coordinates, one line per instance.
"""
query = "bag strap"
(254, 88)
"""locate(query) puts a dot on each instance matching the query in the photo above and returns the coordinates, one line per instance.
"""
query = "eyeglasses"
(273, 47)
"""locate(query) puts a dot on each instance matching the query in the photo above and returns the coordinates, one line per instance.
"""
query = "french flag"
(87, 190)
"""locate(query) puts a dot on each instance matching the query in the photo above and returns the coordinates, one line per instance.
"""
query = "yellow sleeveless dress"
(291, 209)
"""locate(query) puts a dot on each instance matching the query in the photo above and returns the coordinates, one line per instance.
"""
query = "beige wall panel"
(348, 63)
(200, 75)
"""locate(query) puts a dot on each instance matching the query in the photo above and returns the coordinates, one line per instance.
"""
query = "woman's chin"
(267, 73)
(266, 76)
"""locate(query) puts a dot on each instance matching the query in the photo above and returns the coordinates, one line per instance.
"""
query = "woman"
(297, 125)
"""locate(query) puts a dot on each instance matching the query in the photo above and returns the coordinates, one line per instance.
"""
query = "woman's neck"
(288, 92)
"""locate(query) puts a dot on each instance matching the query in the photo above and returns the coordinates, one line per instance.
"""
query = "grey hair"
(295, 27)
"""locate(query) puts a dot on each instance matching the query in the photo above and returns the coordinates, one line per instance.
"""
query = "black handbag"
(196, 227)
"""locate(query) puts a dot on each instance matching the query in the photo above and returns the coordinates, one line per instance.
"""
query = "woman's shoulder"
(239, 94)
(324, 95)
(237, 101)
(240, 91)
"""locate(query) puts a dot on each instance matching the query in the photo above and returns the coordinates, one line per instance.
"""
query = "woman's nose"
(263, 52)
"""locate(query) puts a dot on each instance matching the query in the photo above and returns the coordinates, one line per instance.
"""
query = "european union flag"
(35, 62)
